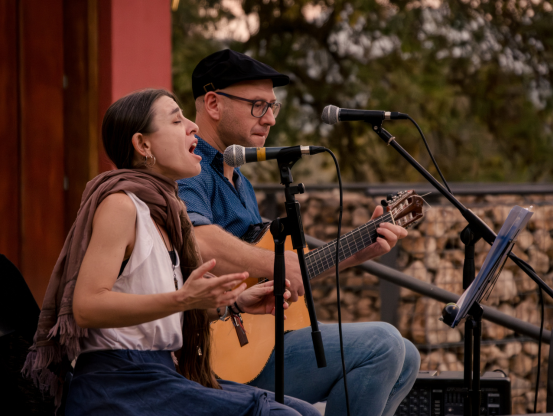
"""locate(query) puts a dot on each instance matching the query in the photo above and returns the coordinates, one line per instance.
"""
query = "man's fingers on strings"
(383, 244)
(296, 293)
(389, 235)
(400, 232)
(268, 284)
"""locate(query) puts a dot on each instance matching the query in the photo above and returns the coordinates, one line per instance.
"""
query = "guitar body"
(242, 364)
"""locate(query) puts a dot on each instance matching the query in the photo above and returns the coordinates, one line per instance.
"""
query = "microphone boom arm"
(476, 223)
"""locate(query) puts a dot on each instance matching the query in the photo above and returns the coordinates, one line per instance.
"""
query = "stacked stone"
(434, 253)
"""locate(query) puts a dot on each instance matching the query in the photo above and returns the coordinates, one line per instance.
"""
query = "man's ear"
(212, 105)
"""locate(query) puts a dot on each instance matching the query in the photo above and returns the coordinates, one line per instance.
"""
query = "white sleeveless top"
(148, 271)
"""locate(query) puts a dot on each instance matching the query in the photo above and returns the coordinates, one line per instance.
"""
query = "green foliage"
(477, 76)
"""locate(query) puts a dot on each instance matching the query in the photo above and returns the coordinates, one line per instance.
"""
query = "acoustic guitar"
(242, 358)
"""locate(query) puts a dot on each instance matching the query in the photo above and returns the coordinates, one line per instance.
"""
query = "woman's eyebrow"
(175, 110)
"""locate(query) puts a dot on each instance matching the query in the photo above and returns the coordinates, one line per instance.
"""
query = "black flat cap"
(227, 67)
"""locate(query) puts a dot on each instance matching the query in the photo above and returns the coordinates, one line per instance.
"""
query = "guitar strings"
(319, 259)
(347, 242)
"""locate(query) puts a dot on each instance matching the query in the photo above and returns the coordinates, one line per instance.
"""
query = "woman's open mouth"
(192, 148)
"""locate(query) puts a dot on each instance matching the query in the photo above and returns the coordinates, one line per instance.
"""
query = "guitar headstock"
(406, 208)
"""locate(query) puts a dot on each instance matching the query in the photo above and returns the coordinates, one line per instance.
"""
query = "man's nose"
(268, 118)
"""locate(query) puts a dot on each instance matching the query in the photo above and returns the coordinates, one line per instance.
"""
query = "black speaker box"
(442, 395)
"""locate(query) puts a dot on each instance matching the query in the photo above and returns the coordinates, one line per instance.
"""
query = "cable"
(522, 264)
(499, 370)
(539, 349)
(338, 279)
(430, 153)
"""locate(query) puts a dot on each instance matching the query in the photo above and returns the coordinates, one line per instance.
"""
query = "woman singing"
(129, 295)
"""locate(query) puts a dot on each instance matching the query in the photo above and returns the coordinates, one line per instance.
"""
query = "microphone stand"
(280, 229)
(475, 230)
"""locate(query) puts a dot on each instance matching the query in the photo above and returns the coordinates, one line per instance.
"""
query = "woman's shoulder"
(115, 220)
(117, 205)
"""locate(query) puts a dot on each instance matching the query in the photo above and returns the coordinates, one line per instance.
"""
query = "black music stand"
(468, 306)
(475, 230)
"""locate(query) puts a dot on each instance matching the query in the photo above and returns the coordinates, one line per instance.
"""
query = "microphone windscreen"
(234, 156)
(330, 114)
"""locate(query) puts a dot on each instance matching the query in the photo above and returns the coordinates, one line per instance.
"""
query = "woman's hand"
(202, 292)
(260, 299)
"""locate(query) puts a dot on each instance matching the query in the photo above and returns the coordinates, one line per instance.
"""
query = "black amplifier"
(442, 395)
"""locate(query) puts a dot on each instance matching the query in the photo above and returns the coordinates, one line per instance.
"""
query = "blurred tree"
(476, 75)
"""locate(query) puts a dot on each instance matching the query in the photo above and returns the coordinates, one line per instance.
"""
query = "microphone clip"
(285, 164)
(295, 190)
(377, 125)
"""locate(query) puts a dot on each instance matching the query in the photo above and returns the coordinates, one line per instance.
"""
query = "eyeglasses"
(259, 107)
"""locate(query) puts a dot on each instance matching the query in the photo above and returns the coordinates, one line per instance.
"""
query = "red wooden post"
(63, 63)
(9, 134)
(41, 127)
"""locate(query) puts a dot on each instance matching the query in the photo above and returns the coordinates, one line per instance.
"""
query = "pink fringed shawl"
(57, 340)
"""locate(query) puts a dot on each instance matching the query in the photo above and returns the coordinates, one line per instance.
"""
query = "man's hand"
(389, 235)
(293, 274)
(260, 299)
(234, 255)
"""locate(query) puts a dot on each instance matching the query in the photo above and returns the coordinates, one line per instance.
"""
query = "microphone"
(332, 115)
(236, 155)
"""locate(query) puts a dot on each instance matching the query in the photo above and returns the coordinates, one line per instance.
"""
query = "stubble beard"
(231, 132)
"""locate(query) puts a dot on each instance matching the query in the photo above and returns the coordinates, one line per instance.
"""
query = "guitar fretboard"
(323, 258)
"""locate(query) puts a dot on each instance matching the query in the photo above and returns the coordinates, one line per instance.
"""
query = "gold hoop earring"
(149, 163)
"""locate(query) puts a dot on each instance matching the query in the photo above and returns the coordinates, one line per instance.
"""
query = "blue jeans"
(381, 368)
(145, 383)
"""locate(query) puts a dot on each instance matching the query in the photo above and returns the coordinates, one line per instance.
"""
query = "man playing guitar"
(236, 104)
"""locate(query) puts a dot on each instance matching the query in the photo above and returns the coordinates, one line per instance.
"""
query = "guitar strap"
(249, 236)
(253, 232)
(238, 324)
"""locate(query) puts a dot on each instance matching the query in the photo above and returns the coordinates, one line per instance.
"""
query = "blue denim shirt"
(211, 199)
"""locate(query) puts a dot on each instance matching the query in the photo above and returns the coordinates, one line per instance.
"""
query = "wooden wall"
(9, 133)
(81, 148)
(41, 138)
(62, 63)
(135, 60)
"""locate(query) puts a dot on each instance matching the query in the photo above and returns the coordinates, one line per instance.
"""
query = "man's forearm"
(232, 254)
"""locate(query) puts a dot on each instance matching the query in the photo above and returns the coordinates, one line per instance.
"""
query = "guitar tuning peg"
(390, 197)
(384, 204)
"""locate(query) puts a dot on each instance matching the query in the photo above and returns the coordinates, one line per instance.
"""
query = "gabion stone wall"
(434, 253)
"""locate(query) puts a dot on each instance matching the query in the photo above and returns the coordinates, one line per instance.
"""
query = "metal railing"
(427, 289)
(391, 281)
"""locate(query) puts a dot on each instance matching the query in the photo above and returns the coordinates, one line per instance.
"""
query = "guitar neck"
(324, 258)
